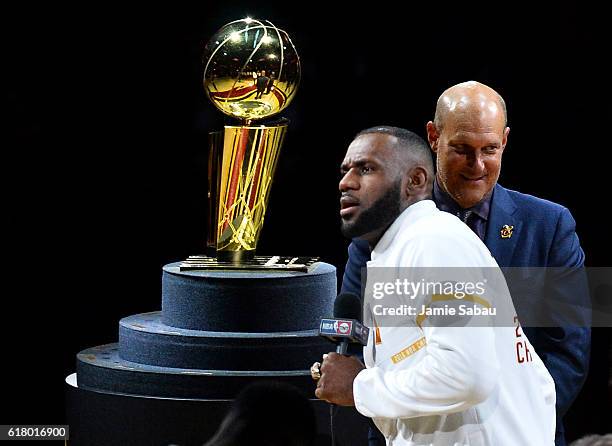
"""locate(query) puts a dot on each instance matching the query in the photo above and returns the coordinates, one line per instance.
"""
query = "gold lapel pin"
(506, 231)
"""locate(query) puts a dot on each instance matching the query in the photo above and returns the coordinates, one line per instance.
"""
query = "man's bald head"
(473, 98)
(468, 135)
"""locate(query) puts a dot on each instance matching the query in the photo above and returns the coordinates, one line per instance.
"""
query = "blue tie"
(464, 216)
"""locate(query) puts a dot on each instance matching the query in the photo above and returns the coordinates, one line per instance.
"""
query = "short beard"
(380, 215)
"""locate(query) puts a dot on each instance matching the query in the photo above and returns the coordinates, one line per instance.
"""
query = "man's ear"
(432, 136)
(505, 138)
(416, 180)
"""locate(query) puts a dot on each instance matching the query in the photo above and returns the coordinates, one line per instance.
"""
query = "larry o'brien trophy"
(227, 319)
(251, 72)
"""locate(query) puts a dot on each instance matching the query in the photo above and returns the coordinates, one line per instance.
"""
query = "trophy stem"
(241, 168)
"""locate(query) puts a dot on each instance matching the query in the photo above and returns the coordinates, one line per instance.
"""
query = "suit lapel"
(501, 216)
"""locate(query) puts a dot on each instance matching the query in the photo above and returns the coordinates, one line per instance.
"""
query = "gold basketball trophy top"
(251, 72)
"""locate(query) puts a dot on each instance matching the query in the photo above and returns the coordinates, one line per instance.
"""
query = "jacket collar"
(402, 223)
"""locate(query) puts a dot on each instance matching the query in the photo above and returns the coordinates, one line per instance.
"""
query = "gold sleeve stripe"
(468, 297)
(410, 350)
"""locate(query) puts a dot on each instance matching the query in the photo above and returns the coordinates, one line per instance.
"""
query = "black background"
(104, 169)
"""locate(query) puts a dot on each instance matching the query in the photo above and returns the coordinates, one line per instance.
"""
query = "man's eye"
(490, 149)
(365, 170)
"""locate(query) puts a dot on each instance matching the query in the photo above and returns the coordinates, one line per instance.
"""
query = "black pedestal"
(105, 418)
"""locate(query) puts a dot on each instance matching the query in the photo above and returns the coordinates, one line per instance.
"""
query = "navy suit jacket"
(544, 235)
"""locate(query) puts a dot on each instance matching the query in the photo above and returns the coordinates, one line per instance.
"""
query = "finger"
(324, 367)
(330, 357)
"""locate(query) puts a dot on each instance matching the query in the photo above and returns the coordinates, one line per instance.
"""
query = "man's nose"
(476, 161)
(348, 182)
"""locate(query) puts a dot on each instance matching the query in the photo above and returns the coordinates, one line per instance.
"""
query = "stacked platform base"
(102, 369)
(217, 332)
(247, 301)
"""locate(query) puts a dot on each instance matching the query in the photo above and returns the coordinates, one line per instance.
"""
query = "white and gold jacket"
(434, 384)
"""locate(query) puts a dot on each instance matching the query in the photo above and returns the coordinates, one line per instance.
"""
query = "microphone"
(346, 327)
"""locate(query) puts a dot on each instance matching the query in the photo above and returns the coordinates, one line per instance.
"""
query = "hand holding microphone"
(338, 371)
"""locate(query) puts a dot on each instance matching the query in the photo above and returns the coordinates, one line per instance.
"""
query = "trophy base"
(241, 256)
(265, 263)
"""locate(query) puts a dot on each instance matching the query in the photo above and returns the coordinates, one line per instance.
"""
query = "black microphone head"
(347, 306)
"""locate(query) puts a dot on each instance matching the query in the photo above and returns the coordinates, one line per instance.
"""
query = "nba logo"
(343, 327)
